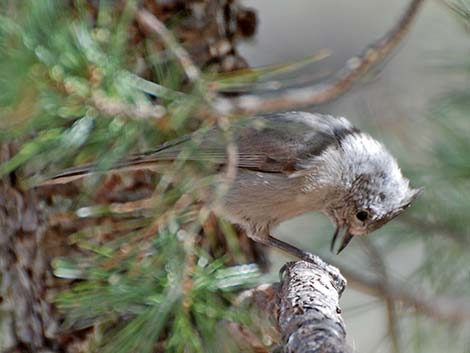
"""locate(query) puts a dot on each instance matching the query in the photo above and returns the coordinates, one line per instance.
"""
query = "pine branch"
(305, 308)
(152, 25)
(437, 307)
(377, 262)
(309, 314)
(23, 268)
(331, 88)
(114, 107)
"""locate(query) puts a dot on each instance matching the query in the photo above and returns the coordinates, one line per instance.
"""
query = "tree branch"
(304, 305)
(151, 24)
(377, 262)
(111, 106)
(23, 269)
(329, 89)
(308, 314)
(437, 307)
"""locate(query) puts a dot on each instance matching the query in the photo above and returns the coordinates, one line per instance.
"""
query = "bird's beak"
(335, 236)
(346, 239)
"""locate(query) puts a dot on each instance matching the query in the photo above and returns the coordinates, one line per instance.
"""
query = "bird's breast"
(269, 198)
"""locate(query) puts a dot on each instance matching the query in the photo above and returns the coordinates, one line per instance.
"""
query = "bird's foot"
(339, 281)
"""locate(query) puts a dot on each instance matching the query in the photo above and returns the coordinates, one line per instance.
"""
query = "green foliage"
(439, 221)
(163, 286)
(245, 79)
(55, 66)
(461, 10)
(72, 94)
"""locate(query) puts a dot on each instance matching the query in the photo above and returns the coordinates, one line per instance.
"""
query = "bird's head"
(373, 190)
(369, 207)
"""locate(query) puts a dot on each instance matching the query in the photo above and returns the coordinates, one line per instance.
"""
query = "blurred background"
(396, 104)
(133, 261)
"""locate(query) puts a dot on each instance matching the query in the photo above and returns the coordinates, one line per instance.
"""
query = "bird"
(288, 164)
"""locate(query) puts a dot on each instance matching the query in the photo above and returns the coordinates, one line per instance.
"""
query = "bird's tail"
(71, 174)
(153, 160)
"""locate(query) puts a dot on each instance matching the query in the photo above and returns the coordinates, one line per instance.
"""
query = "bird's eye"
(362, 215)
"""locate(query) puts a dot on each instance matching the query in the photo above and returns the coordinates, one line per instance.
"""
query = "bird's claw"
(338, 280)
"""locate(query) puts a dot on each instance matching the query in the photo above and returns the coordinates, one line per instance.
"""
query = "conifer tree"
(135, 261)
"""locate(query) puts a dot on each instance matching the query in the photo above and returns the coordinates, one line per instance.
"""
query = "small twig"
(246, 340)
(150, 23)
(437, 307)
(428, 227)
(231, 170)
(111, 106)
(329, 89)
(153, 88)
(377, 262)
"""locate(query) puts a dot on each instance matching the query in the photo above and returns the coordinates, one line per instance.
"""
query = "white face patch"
(360, 157)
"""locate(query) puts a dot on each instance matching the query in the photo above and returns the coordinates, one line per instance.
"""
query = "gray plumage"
(292, 163)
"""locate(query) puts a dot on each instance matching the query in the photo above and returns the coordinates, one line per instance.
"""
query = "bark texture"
(309, 314)
(29, 323)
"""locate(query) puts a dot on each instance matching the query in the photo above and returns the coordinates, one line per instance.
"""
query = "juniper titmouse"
(292, 163)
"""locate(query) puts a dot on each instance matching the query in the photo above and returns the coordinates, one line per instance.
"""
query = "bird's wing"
(286, 140)
(274, 143)
(270, 143)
